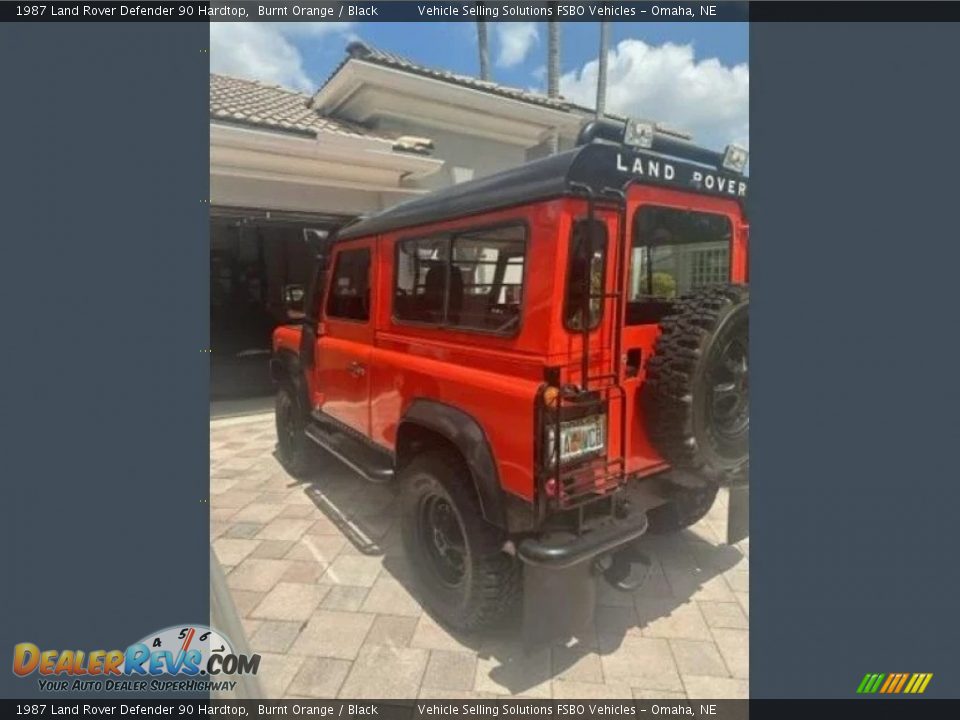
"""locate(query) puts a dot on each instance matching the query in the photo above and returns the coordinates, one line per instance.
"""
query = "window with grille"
(709, 266)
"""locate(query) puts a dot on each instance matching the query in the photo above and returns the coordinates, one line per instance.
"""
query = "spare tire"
(696, 394)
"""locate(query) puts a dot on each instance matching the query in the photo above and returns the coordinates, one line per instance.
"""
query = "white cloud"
(263, 51)
(516, 40)
(667, 83)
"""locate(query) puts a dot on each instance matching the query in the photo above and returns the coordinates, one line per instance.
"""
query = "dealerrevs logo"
(195, 654)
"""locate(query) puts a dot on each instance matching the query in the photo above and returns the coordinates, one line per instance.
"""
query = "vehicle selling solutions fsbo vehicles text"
(561, 11)
(497, 11)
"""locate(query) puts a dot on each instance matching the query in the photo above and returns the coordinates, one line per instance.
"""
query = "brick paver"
(317, 572)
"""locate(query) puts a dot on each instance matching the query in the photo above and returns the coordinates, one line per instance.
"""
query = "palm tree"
(553, 57)
(553, 70)
(484, 45)
(602, 69)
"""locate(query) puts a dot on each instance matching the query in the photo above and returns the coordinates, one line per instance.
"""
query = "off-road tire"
(687, 507)
(294, 448)
(679, 393)
(490, 585)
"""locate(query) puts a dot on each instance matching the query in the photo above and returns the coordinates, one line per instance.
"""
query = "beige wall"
(458, 150)
(273, 195)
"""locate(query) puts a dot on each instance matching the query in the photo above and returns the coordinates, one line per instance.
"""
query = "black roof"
(597, 167)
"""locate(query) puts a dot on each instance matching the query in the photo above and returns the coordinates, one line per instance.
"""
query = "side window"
(471, 280)
(421, 279)
(349, 296)
(486, 279)
(588, 257)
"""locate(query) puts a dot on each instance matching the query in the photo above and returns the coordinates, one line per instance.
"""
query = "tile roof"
(361, 51)
(254, 103)
(249, 102)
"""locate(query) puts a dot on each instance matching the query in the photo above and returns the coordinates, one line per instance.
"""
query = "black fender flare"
(466, 434)
(285, 368)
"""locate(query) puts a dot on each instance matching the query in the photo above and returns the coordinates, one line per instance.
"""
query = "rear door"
(346, 341)
(676, 243)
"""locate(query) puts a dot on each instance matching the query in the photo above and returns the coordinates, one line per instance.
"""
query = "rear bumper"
(559, 583)
(563, 551)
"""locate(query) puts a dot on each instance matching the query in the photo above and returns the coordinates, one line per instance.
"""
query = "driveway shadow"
(362, 511)
(683, 565)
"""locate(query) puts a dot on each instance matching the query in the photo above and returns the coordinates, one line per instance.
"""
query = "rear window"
(588, 256)
(674, 252)
(472, 280)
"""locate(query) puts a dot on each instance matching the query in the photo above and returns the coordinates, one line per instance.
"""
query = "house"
(380, 130)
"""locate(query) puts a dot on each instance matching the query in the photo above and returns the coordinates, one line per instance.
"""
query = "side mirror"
(293, 296)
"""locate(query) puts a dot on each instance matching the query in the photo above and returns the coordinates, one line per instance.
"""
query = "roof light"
(735, 158)
(638, 133)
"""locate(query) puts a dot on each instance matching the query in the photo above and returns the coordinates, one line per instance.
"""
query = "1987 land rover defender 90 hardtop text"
(549, 361)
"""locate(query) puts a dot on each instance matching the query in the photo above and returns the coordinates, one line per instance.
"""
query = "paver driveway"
(317, 572)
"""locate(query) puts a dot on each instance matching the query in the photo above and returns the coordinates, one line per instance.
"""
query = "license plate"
(582, 437)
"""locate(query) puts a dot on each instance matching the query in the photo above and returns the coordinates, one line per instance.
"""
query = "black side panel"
(467, 435)
(284, 364)
(308, 343)
(308, 335)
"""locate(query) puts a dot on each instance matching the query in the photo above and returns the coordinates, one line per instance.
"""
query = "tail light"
(574, 427)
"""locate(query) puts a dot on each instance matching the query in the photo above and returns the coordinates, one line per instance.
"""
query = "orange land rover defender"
(548, 362)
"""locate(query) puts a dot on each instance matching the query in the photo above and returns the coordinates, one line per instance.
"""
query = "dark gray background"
(855, 251)
(104, 313)
(104, 302)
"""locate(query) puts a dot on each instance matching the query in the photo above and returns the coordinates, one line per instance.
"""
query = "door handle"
(356, 369)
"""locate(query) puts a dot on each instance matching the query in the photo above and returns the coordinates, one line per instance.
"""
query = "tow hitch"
(626, 569)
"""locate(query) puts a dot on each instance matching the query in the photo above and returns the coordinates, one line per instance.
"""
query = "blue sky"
(454, 45)
(694, 76)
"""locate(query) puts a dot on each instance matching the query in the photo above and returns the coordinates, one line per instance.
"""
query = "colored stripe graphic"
(894, 683)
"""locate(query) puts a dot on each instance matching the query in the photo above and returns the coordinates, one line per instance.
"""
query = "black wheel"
(466, 579)
(687, 506)
(697, 392)
(293, 445)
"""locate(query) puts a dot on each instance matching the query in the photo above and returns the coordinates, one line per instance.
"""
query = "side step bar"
(359, 455)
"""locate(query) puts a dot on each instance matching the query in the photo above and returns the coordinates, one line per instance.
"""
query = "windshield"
(674, 252)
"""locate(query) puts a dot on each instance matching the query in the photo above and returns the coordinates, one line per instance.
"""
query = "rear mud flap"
(738, 513)
(557, 604)
(560, 577)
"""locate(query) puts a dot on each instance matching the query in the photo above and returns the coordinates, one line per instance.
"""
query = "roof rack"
(663, 142)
